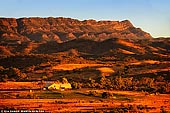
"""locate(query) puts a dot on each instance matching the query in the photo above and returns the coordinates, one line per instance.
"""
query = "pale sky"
(152, 16)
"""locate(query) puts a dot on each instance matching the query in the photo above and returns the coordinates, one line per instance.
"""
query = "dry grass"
(126, 52)
(146, 62)
(106, 70)
(153, 48)
(151, 62)
(89, 103)
(128, 44)
(73, 66)
(18, 85)
(161, 55)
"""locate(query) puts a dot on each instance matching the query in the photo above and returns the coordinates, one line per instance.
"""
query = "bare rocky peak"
(65, 29)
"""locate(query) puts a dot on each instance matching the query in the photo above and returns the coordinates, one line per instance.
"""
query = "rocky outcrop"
(65, 29)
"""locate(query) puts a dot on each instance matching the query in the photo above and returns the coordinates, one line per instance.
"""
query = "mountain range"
(34, 49)
(66, 29)
(52, 35)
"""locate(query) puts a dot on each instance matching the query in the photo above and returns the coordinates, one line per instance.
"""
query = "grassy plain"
(80, 100)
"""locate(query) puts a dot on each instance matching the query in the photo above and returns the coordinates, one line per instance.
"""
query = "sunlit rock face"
(65, 29)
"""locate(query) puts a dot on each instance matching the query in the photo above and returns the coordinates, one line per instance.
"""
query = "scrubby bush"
(106, 95)
(76, 85)
(93, 93)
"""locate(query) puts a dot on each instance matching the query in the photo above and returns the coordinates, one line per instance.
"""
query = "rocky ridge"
(65, 29)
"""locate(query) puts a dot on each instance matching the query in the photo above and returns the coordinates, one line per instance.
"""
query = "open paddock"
(80, 100)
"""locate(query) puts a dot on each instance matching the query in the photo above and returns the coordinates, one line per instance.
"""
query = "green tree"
(76, 85)
(93, 93)
(118, 82)
(106, 95)
(128, 83)
(64, 80)
(44, 77)
(159, 78)
(102, 82)
(147, 82)
(16, 74)
(105, 83)
(92, 83)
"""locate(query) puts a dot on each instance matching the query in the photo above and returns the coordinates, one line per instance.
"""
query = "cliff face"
(65, 29)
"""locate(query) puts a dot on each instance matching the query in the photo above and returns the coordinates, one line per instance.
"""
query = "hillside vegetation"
(90, 54)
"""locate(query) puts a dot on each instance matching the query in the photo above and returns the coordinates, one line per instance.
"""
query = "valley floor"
(80, 101)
